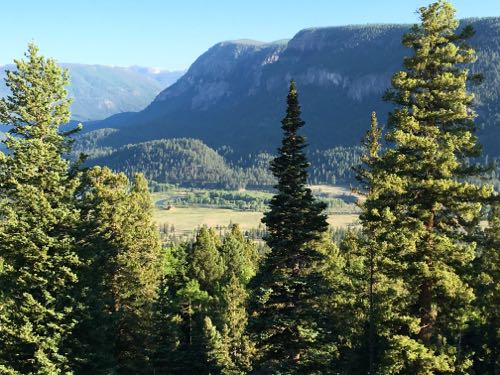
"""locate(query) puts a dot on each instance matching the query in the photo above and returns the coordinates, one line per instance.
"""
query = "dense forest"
(189, 162)
(88, 287)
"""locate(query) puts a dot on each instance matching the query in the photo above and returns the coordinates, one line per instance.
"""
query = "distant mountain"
(234, 94)
(101, 91)
(165, 78)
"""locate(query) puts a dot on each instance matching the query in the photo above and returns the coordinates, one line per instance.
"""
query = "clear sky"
(172, 33)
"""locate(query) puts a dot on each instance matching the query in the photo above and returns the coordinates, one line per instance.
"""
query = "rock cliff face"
(226, 70)
(325, 57)
(234, 94)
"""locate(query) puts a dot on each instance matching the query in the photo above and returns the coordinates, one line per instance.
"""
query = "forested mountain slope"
(232, 94)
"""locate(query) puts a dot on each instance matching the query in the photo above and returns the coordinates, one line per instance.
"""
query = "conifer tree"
(190, 293)
(348, 305)
(372, 147)
(235, 319)
(230, 348)
(201, 312)
(240, 255)
(427, 206)
(484, 336)
(287, 287)
(37, 214)
(193, 305)
(121, 250)
(181, 344)
(370, 245)
(168, 334)
(206, 261)
(344, 308)
(218, 359)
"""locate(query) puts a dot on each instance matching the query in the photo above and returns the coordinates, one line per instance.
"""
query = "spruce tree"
(348, 307)
(218, 359)
(166, 318)
(181, 314)
(287, 287)
(120, 248)
(201, 311)
(229, 348)
(37, 214)
(372, 147)
(343, 310)
(427, 204)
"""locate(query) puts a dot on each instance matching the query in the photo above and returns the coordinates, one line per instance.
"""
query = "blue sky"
(171, 34)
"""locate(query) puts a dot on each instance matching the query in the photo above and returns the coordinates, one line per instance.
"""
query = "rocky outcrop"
(227, 69)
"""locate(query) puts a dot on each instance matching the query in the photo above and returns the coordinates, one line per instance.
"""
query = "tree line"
(86, 287)
(191, 163)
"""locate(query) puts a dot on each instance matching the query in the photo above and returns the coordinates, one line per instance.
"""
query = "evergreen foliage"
(422, 205)
(201, 312)
(206, 264)
(230, 349)
(484, 333)
(119, 246)
(366, 249)
(190, 162)
(37, 215)
(86, 287)
(287, 286)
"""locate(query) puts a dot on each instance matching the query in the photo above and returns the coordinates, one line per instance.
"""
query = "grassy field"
(186, 215)
(185, 219)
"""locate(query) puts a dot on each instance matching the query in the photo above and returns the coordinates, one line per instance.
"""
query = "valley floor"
(179, 212)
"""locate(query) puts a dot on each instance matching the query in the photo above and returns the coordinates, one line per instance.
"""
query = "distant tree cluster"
(183, 161)
(86, 286)
(334, 166)
(189, 162)
(243, 201)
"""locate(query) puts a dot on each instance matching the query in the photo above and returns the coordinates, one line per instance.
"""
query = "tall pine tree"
(427, 204)
(120, 248)
(287, 287)
(37, 214)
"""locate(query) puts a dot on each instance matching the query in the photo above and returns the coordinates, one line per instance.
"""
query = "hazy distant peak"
(103, 90)
(152, 69)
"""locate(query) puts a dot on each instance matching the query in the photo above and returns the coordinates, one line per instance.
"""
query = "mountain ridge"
(232, 99)
(235, 91)
(100, 91)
